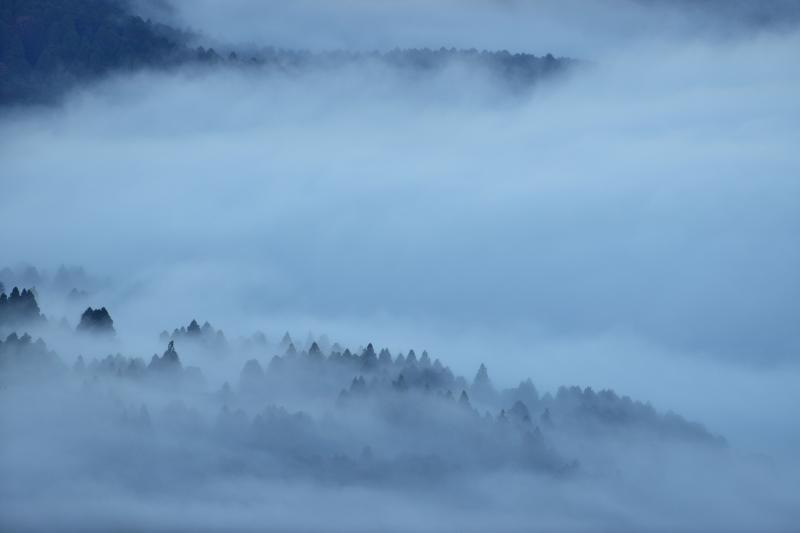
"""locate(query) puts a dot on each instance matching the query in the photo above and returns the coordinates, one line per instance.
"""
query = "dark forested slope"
(46, 46)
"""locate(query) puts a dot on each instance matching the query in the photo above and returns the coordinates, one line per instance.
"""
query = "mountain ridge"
(50, 46)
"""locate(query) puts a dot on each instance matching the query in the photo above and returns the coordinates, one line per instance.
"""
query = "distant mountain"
(47, 46)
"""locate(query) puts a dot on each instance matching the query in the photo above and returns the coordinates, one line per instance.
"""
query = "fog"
(571, 27)
(630, 224)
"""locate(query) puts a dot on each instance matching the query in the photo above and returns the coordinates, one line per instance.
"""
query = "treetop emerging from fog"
(399, 265)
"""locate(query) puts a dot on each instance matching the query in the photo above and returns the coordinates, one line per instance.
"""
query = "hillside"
(48, 46)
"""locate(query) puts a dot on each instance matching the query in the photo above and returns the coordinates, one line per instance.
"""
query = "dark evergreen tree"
(463, 399)
(369, 359)
(425, 360)
(170, 356)
(314, 351)
(21, 353)
(482, 377)
(482, 388)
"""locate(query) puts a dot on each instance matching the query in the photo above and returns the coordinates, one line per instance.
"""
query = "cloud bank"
(630, 225)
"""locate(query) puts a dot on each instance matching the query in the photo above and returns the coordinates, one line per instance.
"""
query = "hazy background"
(587, 29)
(634, 225)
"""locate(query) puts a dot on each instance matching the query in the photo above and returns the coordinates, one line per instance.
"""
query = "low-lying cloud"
(629, 196)
(588, 29)
(629, 224)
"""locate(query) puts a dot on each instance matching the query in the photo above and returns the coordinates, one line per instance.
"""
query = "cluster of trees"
(167, 368)
(274, 442)
(386, 436)
(20, 353)
(314, 372)
(374, 376)
(206, 336)
(355, 379)
(406, 427)
(409, 397)
(586, 409)
(97, 321)
(517, 69)
(408, 391)
(19, 308)
(168, 362)
(371, 370)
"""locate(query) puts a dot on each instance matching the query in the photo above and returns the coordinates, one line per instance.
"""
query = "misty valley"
(49, 46)
(401, 266)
